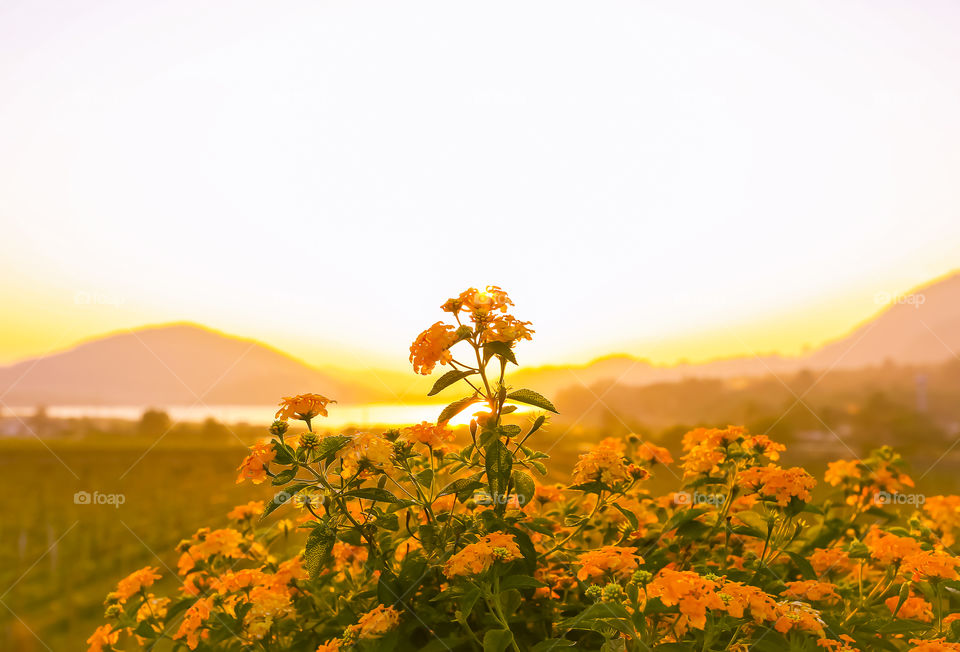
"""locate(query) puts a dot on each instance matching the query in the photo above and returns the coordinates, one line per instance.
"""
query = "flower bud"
(613, 592)
(278, 428)
(594, 592)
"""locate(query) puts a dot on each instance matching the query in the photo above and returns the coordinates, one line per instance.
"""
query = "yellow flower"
(432, 346)
(303, 407)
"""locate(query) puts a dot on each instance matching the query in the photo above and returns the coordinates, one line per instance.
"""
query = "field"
(58, 559)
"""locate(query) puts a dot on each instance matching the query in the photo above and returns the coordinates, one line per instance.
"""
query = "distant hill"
(919, 328)
(171, 365)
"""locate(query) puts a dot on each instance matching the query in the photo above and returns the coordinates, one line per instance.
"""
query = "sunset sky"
(672, 180)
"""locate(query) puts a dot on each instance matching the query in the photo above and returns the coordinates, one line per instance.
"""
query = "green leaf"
(498, 348)
(318, 549)
(499, 461)
(330, 445)
(630, 516)
(510, 430)
(284, 476)
(536, 424)
(551, 643)
(282, 453)
(497, 640)
(282, 497)
(456, 408)
(530, 397)
(373, 493)
(525, 487)
(806, 568)
(448, 379)
(425, 477)
(520, 582)
(458, 486)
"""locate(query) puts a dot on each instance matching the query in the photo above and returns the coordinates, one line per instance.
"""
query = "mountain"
(179, 364)
(919, 328)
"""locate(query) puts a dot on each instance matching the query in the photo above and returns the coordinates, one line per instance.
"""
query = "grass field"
(58, 559)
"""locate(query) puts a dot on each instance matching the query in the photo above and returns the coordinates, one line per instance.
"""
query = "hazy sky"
(669, 179)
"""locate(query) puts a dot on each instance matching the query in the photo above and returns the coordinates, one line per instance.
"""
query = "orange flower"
(432, 346)
(693, 594)
(843, 645)
(507, 329)
(225, 542)
(544, 494)
(932, 564)
(103, 636)
(303, 407)
(615, 560)
(427, 433)
(811, 591)
(375, 623)
(799, 616)
(706, 448)
(913, 608)
(135, 581)
(333, 645)
(242, 512)
(763, 445)
(781, 485)
(738, 598)
(933, 645)
(888, 548)
(479, 304)
(944, 513)
(254, 465)
(365, 448)
(651, 453)
(841, 470)
(475, 558)
(193, 619)
(605, 463)
(825, 560)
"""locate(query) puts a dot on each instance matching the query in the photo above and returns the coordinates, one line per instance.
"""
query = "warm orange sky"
(672, 181)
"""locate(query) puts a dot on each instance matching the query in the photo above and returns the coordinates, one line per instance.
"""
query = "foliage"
(415, 543)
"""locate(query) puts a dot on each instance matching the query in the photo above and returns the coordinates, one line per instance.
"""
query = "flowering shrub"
(414, 542)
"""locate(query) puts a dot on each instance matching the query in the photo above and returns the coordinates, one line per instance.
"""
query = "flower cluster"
(461, 538)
